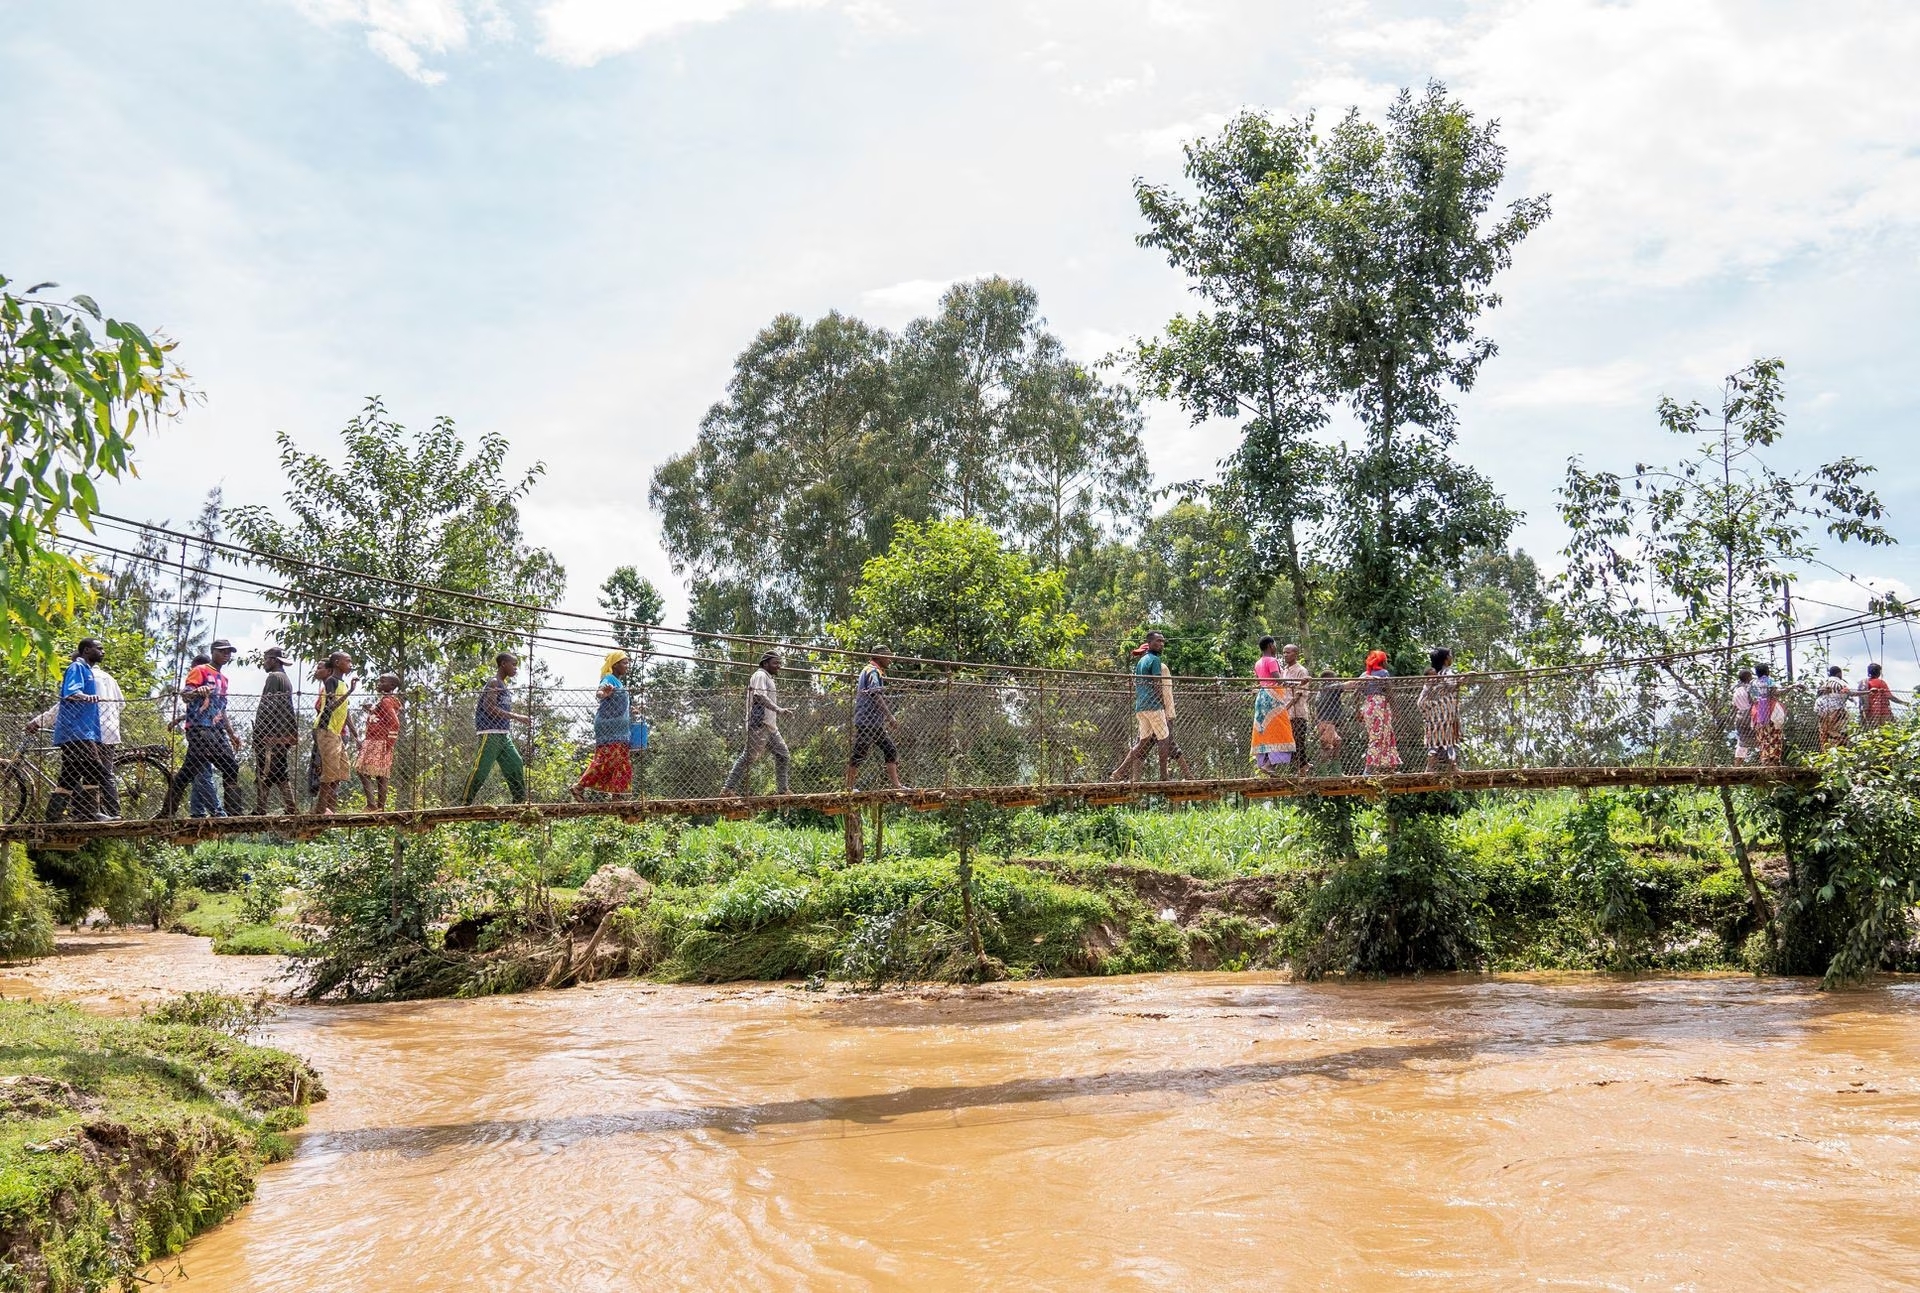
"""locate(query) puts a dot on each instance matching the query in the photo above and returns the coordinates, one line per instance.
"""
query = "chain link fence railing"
(964, 732)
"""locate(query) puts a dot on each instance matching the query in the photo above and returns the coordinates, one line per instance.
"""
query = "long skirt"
(1833, 727)
(1273, 741)
(1273, 729)
(610, 770)
(376, 757)
(1440, 723)
(1383, 747)
(1773, 743)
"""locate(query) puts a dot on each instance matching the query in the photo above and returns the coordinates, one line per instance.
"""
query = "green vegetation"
(234, 929)
(121, 1139)
(71, 403)
(26, 908)
(1553, 881)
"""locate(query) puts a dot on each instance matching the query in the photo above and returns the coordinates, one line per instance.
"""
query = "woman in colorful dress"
(1273, 739)
(375, 763)
(1376, 714)
(1830, 707)
(611, 768)
(1769, 716)
(1439, 705)
(1743, 716)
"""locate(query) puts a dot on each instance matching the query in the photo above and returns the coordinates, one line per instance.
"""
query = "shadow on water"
(877, 1108)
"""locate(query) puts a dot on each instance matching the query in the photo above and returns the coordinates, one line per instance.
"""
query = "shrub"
(224, 1012)
(754, 900)
(1604, 884)
(26, 908)
(1413, 906)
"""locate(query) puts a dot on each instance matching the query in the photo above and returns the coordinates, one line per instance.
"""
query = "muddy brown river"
(1185, 1132)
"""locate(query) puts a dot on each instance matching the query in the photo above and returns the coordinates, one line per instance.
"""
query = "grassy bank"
(121, 1139)
(235, 931)
(1551, 881)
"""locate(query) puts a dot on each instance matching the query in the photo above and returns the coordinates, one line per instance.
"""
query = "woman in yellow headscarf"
(611, 769)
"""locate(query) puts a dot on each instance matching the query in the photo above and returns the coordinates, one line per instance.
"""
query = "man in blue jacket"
(84, 767)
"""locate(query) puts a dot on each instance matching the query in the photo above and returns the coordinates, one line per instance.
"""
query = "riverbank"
(124, 1134)
(1549, 882)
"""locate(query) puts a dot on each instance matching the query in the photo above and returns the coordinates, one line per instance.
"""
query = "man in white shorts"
(1153, 711)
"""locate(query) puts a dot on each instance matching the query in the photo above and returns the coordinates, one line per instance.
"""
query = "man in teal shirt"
(1152, 714)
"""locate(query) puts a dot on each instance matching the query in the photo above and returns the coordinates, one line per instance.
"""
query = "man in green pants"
(493, 719)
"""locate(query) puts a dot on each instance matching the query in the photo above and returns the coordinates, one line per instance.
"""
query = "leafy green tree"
(71, 404)
(1714, 535)
(1409, 255)
(1246, 241)
(630, 597)
(796, 479)
(1078, 470)
(1010, 432)
(413, 508)
(1190, 574)
(1500, 614)
(967, 371)
(1853, 856)
(950, 590)
(1675, 559)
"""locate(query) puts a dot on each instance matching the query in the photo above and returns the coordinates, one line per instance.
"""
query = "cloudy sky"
(561, 219)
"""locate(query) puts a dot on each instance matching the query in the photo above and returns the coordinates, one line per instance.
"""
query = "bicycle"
(140, 773)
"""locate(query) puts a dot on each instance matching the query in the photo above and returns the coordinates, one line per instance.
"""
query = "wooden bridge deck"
(68, 835)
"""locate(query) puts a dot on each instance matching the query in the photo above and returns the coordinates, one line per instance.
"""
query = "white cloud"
(582, 32)
(406, 32)
(1182, 14)
(1622, 382)
(404, 56)
(915, 296)
(1681, 139)
(1113, 87)
(1091, 345)
(1167, 140)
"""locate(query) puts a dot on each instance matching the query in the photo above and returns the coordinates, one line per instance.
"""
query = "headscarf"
(1376, 660)
(613, 658)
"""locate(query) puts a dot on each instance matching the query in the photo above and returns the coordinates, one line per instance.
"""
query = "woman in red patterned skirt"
(611, 769)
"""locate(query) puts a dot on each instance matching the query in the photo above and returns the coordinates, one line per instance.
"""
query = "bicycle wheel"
(16, 792)
(141, 777)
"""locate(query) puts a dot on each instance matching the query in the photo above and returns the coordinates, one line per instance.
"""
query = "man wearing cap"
(211, 738)
(763, 730)
(276, 731)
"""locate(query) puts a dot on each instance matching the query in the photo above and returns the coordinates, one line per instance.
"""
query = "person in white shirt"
(763, 729)
(1298, 679)
(109, 699)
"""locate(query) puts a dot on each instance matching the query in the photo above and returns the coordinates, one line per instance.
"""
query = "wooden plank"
(66, 835)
